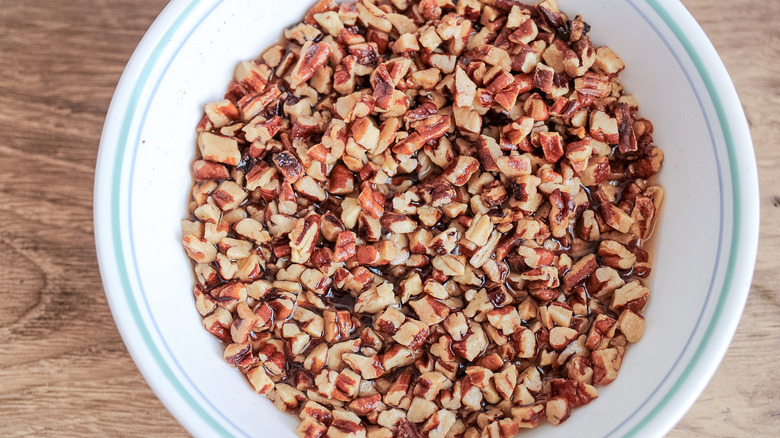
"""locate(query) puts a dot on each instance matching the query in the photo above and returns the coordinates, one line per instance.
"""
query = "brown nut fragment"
(543, 77)
(431, 128)
(607, 61)
(398, 223)
(593, 84)
(631, 324)
(530, 416)
(309, 427)
(310, 188)
(206, 170)
(253, 103)
(513, 165)
(461, 170)
(603, 282)
(648, 165)
(228, 195)
(219, 148)
(368, 406)
(345, 246)
(580, 271)
(345, 424)
(251, 75)
(465, 89)
(493, 194)
(606, 364)
(329, 21)
(341, 181)
(616, 218)
(218, 324)
(243, 323)
(557, 410)
(535, 108)
(615, 255)
(199, 250)
(645, 212)
(303, 238)
(372, 202)
(505, 319)
(261, 175)
(389, 321)
(260, 380)
(587, 227)
(627, 141)
(561, 337)
(411, 334)
(430, 384)
(436, 192)
(203, 302)
(230, 294)
(288, 166)
(338, 325)
(368, 255)
(524, 343)
(575, 393)
(287, 398)
(503, 428)
(439, 424)
(601, 332)
(430, 310)
(238, 354)
(312, 57)
(604, 128)
(516, 132)
(456, 325)
(472, 344)
(375, 299)
(397, 356)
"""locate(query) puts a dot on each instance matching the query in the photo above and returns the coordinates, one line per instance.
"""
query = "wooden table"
(64, 369)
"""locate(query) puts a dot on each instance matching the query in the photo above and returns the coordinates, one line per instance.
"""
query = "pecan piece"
(461, 170)
(372, 202)
(312, 57)
(288, 166)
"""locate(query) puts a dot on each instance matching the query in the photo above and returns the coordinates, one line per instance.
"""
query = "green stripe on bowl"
(116, 231)
(736, 226)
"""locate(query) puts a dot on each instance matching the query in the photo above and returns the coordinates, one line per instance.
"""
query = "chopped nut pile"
(425, 218)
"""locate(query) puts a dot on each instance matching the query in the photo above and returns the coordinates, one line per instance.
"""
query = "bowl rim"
(702, 365)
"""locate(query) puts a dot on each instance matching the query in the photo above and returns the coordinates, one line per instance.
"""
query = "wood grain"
(64, 370)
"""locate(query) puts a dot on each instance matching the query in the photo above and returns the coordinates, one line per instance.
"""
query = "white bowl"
(704, 251)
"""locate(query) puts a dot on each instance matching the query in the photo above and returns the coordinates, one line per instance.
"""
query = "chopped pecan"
(219, 148)
(407, 208)
(606, 364)
(372, 202)
(615, 255)
(461, 170)
(312, 57)
(429, 310)
(288, 166)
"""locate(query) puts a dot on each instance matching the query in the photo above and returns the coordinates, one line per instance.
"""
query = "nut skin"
(288, 166)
